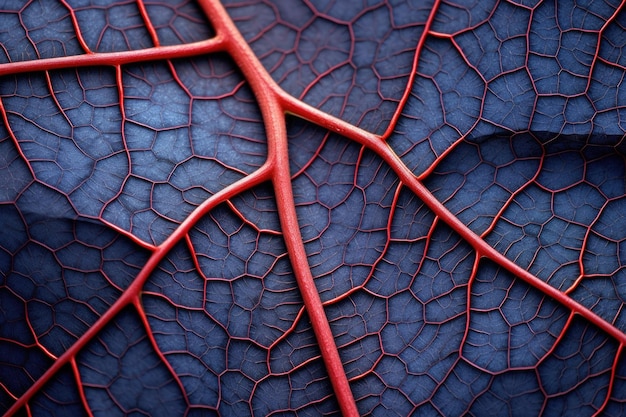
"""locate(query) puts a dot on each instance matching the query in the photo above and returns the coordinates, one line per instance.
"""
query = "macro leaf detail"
(312, 208)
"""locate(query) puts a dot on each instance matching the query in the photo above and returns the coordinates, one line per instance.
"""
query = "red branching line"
(115, 58)
(407, 90)
(606, 24)
(144, 321)
(583, 249)
(79, 35)
(274, 104)
(146, 19)
(5, 120)
(133, 291)
(376, 144)
(273, 115)
(468, 317)
(81, 388)
(609, 391)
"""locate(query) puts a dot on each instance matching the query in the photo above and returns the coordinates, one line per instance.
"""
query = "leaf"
(312, 208)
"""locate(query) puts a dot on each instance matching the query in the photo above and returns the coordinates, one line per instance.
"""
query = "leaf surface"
(312, 208)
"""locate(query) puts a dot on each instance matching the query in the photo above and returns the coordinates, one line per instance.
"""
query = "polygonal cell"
(237, 390)
(605, 295)
(20, 367)
(249, 287)
(13, 168)
(178, 160)
(509, 102)
(111, 25)
(178, 22)
(396, 270)
(13, 234)
(304, 391)
(405, 320)
(445, 104)
(612, 214)
(575, 13)
(153, 98)
(461, 384)
(59, 397)
(376, 397)
(478, 179)
(563, 40)
(36, 29)
(602, 289)
(616, 406)
(132, 211)
(606, 172)
(554, 165)
(351, 60)
(447, 267)
(258, 206)
(498, 45)
(233, 135)
(355, 323)
(343, 192)
(141, 383)
(411, 218)
(69, 133)
(177, 279)
(462, 14)
(70, 272)
(205, 344)
(609, 49)
(296, 348)
(424, 341)
(608, 101)
(515, 394)
(549, 117)
(530, 232)
(577, 374)
(511, 325)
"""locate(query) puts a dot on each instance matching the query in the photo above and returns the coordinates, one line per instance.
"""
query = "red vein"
(80, 387)
(115, 58)
(407, 177)
(146, 20)
(258, 79)
(274, 103)
(609, 390)
(618, 10)
(273, 115)
(130, 294)
(136, 302)
(79, 34)
(407, 90)
(5, 120)
(310, 295)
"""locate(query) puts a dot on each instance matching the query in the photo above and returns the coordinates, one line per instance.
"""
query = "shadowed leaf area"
(312, 207)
